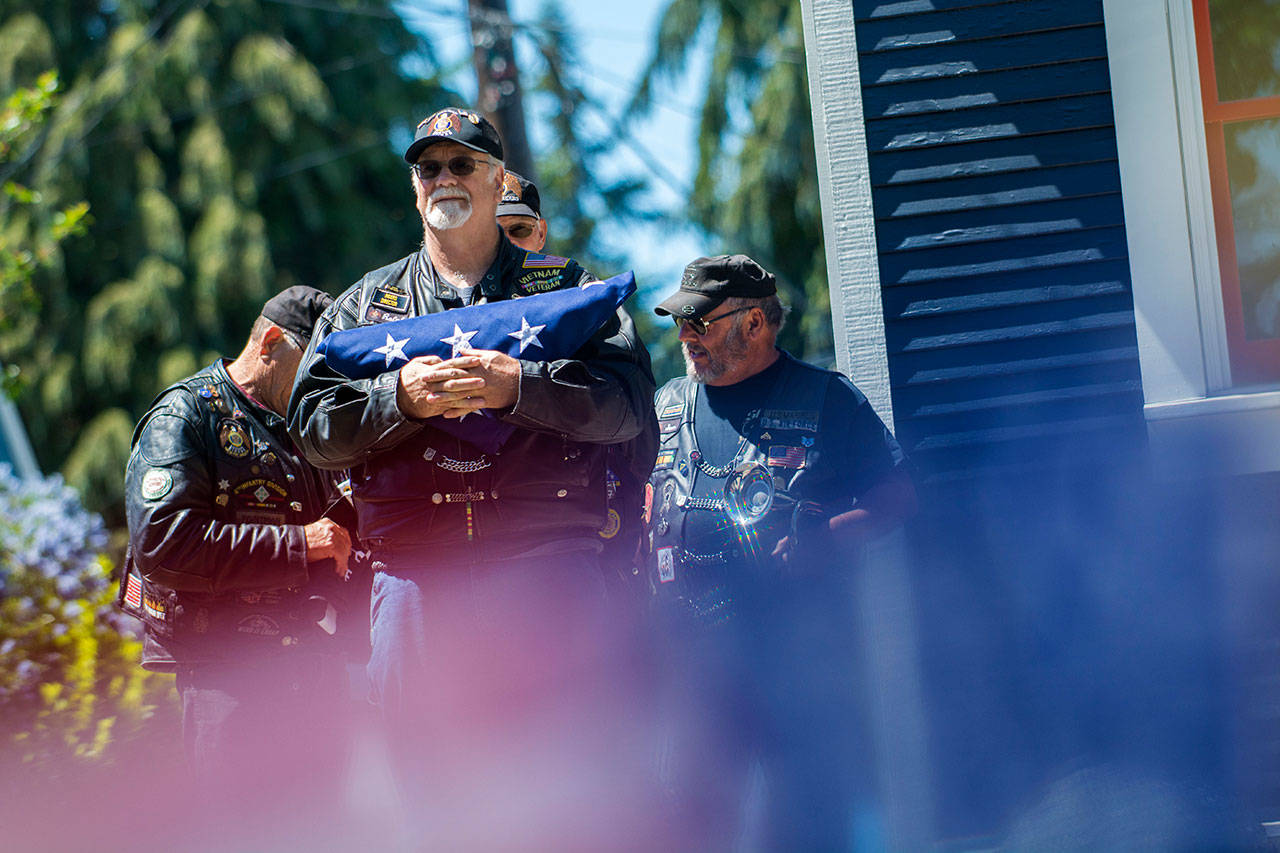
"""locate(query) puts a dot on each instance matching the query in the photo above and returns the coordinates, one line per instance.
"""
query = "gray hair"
(775, 313)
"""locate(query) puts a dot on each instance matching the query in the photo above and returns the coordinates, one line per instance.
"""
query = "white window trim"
(844, 186)
(1173, 257)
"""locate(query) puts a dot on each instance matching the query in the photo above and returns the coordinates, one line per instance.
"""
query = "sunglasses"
(699, 324)
(519, 231)
(459, 166)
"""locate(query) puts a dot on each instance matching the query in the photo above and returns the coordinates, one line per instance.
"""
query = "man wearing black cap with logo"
(238, 576)
(520, 213)
(771, 473)
(491, 628)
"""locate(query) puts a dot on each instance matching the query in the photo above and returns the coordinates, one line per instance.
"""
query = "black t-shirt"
(863, 451)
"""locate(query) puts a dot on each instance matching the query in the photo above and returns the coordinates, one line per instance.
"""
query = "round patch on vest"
(611, 526)
(156, 483)
(234, 440)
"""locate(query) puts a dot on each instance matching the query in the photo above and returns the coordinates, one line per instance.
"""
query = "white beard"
(447, 210)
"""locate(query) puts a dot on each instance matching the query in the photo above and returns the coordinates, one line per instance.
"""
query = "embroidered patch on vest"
(535, 261)
(156, 483)
(390, 298)
(133, 591)
(665, 460)
(788, 419)
(260, 493)
(538, 281)
(667, 427)
(258, 625)
(782, 456)
(234, 440)
(611, 526)
(675, 410)
(156, 608)
(666, 564)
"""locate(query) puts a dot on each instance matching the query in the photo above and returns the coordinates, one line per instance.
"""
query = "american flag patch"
(534, 261)
(782, 456)
(133, 591)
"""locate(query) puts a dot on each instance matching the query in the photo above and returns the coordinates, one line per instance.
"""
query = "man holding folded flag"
(476, 447)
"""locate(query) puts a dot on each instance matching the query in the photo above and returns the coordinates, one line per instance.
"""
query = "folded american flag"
(542, 327)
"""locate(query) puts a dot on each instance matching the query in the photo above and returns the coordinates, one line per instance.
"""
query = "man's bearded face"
(448, 208)
(708, 357)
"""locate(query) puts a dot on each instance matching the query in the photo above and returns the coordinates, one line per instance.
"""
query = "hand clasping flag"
(542, 327)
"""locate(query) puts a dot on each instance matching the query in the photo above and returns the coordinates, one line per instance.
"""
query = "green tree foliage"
(755, 188)
(227, 149)
(31, 230)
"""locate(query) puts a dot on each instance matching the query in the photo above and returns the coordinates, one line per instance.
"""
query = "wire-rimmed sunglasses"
(519, 231)
(459, 166)
(699, 324)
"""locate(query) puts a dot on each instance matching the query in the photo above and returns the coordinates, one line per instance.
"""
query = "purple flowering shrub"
(70, 684)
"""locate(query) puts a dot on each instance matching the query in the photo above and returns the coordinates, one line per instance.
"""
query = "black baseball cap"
(519, 197)
(296, 309)
(709, 281)
(454, 124)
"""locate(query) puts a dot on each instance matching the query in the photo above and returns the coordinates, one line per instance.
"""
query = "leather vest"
(785, 434)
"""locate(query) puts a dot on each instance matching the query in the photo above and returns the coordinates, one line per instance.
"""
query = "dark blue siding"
(1003, 260)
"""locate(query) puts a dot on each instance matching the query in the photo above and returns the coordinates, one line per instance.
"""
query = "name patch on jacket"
(390, 298)
(788, 419)
(668, 426)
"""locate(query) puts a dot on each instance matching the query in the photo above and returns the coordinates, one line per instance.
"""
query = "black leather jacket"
(426, 497)
(217, 496)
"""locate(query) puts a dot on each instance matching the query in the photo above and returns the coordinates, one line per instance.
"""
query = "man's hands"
(480, 379)
(328, 540)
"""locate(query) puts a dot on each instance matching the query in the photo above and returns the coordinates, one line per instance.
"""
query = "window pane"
(1246, 48)
(1253, 169)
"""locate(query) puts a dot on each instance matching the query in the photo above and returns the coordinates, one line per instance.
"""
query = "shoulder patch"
(535, 261)
(156, 483)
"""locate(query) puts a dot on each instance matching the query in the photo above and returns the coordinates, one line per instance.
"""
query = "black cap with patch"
(709, 281)
(296, 310)
(519, 197)
(454, 124)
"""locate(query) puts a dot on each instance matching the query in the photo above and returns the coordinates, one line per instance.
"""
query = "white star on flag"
(459, 340)
(527, 334)
(393, 349)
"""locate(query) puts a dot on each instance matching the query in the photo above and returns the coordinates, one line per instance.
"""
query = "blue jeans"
(508, 693)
